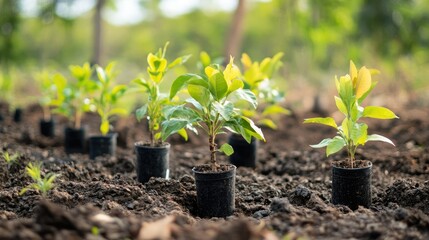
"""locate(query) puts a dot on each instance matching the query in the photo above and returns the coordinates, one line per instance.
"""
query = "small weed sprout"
(43, 185)
(10, 159)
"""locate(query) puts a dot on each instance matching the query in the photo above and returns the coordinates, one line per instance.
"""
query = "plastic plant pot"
(152, 161)
(17, 115)
(245, 154)
(215, 191)
(47, 128)
(74, 140)
(352, 186)
(102, 145)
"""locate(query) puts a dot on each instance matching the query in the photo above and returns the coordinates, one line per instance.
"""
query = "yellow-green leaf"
(231, 71)
(363, 83)
(218, 85)
(246, 61)
(353, 72)
(199, 93)
(274, 110)
(345, 127)
(340, 105)
(328, 121)
(227, 149)
(205, 58)
(151, 60)
(210, 71)
(335, 145)
(235, 84)
(268, 123)
(182, 132)
(378, 112)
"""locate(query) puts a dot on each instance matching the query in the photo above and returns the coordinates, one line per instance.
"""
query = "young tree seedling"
(43, 185)
(211, 107)
(76, 98)
(352, 89)
(52, 87)
(109, 95)
(258, 78)
(153, 109)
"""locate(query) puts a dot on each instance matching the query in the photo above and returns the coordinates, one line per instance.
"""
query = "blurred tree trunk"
(235, 35)
(97, 43)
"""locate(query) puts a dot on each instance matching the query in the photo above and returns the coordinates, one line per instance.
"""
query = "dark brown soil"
(287, 194)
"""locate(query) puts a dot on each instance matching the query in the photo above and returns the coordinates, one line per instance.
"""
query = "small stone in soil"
(261, 213)
(301, 195)
(280, 205)
(400, 214)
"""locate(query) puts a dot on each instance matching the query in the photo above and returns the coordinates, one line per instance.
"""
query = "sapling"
(77, 95)
(109, 94)
(211, 107)
(51, 87)
(352, 89)
(41, 184)
(258, 78)
(153, 109)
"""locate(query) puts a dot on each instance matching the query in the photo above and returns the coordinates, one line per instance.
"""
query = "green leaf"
(325, 142)
(227, 149)
(274, 110)
(218, 85)
(181, 82)
(235, 84)
(172, 126)
(376, 137)
(200, 94)
(178, 61)
(346, 90)
(254, 130)
(359, 133)
(226, 110)
(335, 145)
(328, 121)
(340, 105)
(119, 90)
(196, 104)
(356, 111)
(345, 127)
(245, 95)
(141, 112)
(378, 112)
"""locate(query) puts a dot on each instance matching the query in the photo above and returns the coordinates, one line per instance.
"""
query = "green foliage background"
(317, 37)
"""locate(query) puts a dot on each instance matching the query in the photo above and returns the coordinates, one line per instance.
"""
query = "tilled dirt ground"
(287, 195)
